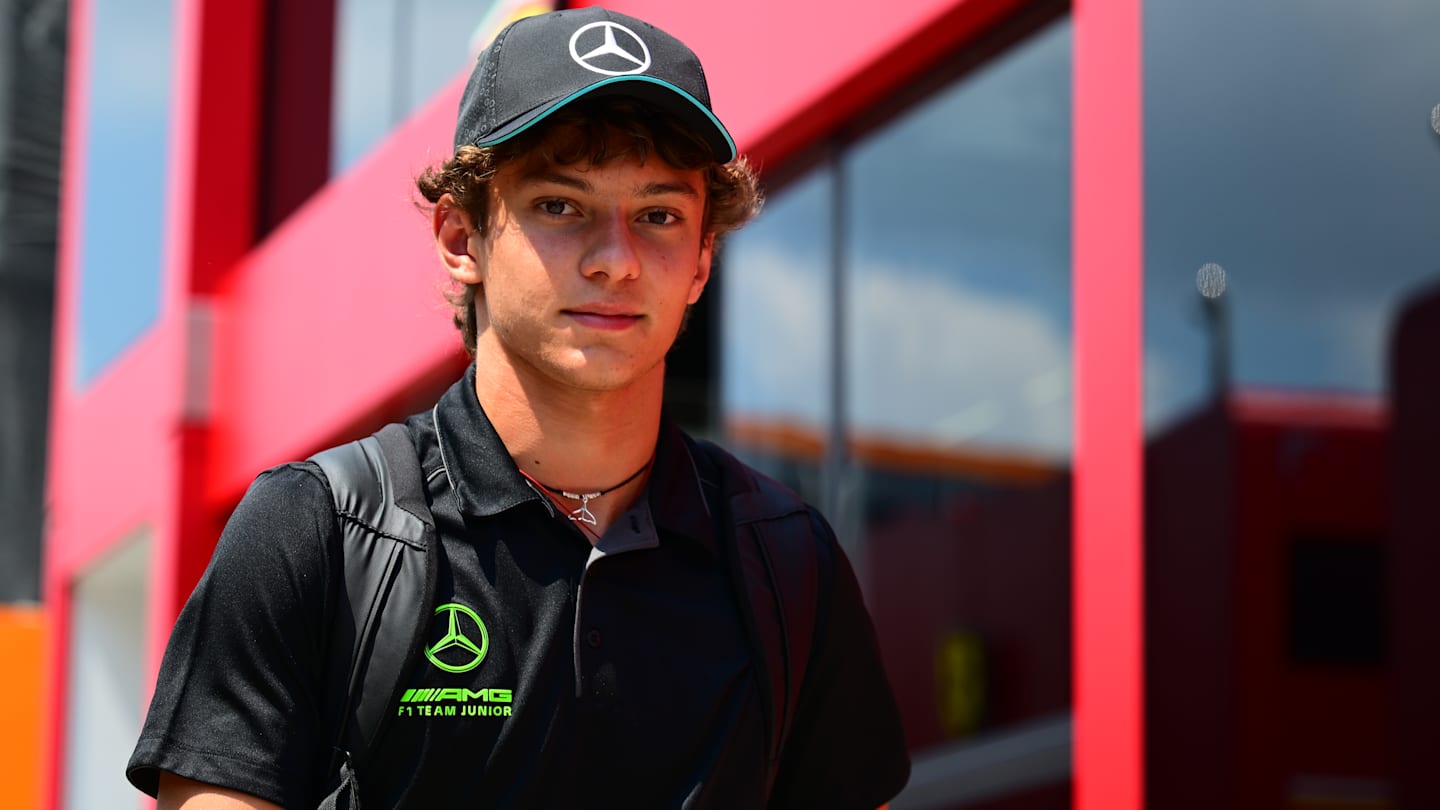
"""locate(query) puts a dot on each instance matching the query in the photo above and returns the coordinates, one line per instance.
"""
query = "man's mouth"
(604, 316)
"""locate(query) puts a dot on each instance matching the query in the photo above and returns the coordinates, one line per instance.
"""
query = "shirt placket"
(594, 620)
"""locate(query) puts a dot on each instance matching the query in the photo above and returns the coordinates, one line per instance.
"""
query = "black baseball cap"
(537, 65)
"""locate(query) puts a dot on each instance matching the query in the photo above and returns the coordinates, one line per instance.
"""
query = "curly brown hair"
(586, 132)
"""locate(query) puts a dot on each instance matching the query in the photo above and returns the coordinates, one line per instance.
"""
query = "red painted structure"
(266, 351)
(1108, 581)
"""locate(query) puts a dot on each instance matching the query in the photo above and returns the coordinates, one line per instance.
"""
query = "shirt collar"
(486, 481)
(677, 497)
(482, 474)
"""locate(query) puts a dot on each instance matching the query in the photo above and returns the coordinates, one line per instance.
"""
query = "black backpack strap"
(390, 568)
(787, 551)
(768, 540)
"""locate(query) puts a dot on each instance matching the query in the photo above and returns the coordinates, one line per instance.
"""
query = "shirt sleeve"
(846, 747)
(238, 701)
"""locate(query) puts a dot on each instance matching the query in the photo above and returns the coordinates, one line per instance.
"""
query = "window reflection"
(957, 263)
(943, 448)
(126, 163)
(957, 395)
(1290, 419)
(1302, 162)
(366, 101)
(776, 321)
(390, 57)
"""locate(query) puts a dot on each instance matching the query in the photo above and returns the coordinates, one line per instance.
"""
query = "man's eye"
(555, 207)
(660, 218)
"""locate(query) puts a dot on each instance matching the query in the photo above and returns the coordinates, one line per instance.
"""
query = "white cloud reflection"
(936, 359)
(931, 360)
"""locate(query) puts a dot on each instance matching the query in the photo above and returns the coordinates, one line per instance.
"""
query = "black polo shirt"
(557, 673)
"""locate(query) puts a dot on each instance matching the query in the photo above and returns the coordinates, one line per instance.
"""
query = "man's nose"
(613, 250)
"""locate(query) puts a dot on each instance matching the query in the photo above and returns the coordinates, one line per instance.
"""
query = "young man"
(588, 648)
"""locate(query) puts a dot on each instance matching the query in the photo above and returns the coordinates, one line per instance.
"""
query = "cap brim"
(662, 94)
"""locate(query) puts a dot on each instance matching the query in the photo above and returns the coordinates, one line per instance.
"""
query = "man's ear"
(702, 268)
(457, 241)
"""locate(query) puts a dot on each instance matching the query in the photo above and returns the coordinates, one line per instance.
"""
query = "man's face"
(587, 269)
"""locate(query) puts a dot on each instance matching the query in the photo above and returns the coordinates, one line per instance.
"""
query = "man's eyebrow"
(660, 189)
(567, 180)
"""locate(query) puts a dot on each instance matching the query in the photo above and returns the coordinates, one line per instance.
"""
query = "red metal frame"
(1108, 577)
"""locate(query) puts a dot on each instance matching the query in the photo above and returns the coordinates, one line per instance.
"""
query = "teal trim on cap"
(730, 142)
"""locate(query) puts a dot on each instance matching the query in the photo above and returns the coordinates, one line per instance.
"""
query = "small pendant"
(583, 514)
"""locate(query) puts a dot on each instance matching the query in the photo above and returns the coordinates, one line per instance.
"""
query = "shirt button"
(593, 638)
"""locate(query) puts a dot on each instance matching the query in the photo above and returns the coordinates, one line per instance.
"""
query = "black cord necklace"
(583, 514)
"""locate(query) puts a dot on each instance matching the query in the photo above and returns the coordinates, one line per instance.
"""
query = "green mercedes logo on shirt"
(455, 638)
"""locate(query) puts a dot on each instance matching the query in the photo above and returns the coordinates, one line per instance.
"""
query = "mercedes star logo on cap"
(604, 54)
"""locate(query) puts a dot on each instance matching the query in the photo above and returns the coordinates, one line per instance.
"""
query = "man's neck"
(571, 439)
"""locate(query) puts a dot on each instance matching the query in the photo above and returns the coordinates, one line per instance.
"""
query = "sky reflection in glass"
(1290, 143)
(956, 269)
(126, 166)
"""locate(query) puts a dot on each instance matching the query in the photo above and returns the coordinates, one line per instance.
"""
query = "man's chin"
(601, 374)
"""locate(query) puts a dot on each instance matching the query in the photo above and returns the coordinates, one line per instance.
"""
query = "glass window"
(956, 265)
(1294, 150)
(1292, 294)
(441, 44)
(957, 261)
(123, 203)
(776, 322)
(900, 318)
(369, 98)
(391, 56)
